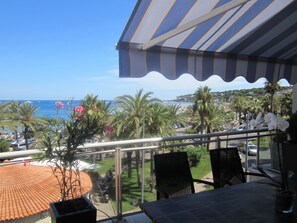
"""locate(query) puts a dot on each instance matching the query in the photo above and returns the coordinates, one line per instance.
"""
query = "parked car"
(21, 145)
(241, 128)
(232, 130)
(251, 148)
(244, 128)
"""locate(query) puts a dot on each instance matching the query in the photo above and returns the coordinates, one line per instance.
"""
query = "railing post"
(258, 149)
(246, 153)
(218, 142)
(142, 182)
(118, 183)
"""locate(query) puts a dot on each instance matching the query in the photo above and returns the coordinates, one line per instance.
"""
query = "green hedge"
(4, 146)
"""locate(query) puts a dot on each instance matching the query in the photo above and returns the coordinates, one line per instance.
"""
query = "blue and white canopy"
(249, 38)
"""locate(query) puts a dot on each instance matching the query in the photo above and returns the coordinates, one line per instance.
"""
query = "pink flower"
(60, 104)
(108, 130)
(80, 110)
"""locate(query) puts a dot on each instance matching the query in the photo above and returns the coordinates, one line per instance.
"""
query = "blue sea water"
(48, 108)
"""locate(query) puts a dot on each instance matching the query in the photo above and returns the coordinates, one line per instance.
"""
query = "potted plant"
(61, 144)
(292, 130)
(289, 152)
(284, 193)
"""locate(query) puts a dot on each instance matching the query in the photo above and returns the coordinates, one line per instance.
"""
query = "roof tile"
(28, 190)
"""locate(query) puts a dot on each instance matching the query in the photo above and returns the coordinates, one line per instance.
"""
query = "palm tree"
(286, 103)
(24, 114)
(177, 114)
(130, 121)
(203, 105)
(160, 122)
(265, 103)
(271, 89)
(5, 120)
(132, 111)
(238, 105)
(255, 107)
(217, 119)
(101, 108)
(91, 102)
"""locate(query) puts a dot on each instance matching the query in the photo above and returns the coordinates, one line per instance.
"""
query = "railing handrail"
(146, 144)
(15, 154)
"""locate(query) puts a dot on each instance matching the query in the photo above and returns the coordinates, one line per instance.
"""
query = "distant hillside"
(227, 96)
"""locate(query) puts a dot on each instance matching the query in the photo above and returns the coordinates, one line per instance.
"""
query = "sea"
(48, 108)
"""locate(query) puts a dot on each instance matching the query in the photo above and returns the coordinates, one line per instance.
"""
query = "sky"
(61, 49)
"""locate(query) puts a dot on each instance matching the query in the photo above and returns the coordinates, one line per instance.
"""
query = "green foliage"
(130, 190)
(61, 148)
(228, 96)
(4, 146)
(106, 164)
(203, 168)
(194, 154)
(190, 131)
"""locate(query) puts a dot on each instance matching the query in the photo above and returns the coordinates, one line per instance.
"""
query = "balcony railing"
(118, 148)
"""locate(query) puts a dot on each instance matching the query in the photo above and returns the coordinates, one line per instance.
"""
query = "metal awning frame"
(218, 11)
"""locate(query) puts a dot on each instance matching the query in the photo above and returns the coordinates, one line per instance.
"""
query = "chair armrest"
(204, 182)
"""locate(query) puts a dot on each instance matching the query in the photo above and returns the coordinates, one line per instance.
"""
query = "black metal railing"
(118, 148)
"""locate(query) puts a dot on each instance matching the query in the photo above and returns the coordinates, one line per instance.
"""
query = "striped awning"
(249, 38)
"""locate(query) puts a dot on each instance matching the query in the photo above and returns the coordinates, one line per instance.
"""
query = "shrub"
(194, 154)
(4, 146)
(190, 131)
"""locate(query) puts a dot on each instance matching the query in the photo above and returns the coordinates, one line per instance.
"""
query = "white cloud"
(113, 86)
(114, 72)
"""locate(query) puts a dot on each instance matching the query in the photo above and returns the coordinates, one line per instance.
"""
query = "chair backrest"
(226, 167)
(173, 175)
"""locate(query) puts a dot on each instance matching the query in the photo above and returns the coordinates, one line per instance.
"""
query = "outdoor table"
(247, 202)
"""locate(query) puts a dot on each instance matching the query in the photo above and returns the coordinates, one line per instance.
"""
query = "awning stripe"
(257, 39)
(248, 16)
(231, 66)
(283, 49)
(175, 15)
(260, 31)
(135, 20)
(153, 59)
(150, 23)
(181, 61)
(124, 62)
(201, 29)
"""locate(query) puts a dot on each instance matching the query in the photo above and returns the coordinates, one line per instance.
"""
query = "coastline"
(47, 108)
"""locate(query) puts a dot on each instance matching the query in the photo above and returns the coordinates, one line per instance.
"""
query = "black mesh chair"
(226, 167)
(173, 175)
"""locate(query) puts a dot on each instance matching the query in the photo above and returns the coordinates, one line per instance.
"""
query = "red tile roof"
(28, 190)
